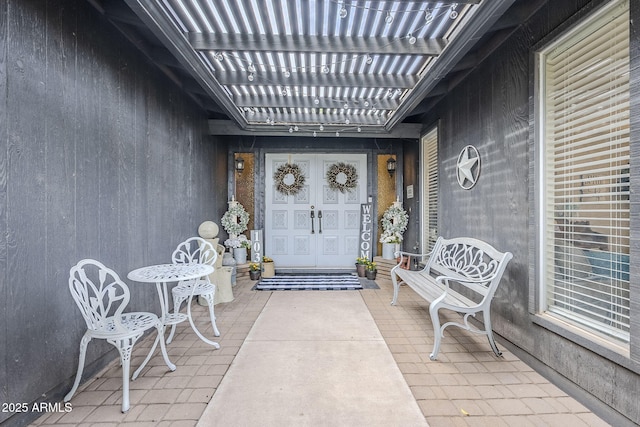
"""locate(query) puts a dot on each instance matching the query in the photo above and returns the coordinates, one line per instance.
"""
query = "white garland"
(235, 220)
(394, 223)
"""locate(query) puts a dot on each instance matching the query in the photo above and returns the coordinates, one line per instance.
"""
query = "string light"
(454, 13)
(388, 19)
(428, 16)
(412, 38)
(343, 12)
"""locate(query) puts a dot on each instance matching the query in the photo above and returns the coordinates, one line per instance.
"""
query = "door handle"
(319, 221)
(312, 217)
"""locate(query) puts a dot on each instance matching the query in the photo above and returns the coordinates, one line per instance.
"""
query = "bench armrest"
(405, 258)
(403, 254)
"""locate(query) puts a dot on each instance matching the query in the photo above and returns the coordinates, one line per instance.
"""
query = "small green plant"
(362, 260)
(371, 266)
(266, 259)
(245, 244)
(254, 266)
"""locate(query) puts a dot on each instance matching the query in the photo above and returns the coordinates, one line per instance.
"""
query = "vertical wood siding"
(100, 157)
(491, 111)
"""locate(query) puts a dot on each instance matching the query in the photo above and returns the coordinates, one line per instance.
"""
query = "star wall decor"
(468, 167)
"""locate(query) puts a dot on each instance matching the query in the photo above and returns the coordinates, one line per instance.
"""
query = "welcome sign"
(366, 233)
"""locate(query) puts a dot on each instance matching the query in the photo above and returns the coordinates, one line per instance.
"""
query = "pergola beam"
(276, 101)
(240, 78)
(338, 119)
(315, 44)
(400, 131)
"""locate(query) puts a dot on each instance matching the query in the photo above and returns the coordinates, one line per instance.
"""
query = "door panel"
(319, 226)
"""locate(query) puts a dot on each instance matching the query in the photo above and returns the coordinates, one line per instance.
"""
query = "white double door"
(318, 227)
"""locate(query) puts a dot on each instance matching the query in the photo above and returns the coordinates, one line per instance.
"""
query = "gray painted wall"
(491, 110)
(101, 157)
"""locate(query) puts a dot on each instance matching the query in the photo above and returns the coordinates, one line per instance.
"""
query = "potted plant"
(268, 267)
(394, 223)
(238, 245)
(235, 222)
(371, 270)
(254, 271)
(361, 263)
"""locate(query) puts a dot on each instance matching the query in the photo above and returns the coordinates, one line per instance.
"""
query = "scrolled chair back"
(100, 295)
(195, 250)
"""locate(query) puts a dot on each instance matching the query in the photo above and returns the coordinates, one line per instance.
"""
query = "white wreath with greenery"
(342, 177)
(235, 220)
(394, 223)
(289, 179)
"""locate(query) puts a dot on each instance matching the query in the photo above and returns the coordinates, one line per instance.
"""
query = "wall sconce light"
(391, 166)
(239, 164)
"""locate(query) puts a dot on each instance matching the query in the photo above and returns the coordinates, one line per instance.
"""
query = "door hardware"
(312, 217)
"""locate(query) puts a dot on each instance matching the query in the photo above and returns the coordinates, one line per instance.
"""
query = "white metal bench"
(461, 275)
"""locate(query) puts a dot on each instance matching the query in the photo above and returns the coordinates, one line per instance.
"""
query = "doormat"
(312, 282)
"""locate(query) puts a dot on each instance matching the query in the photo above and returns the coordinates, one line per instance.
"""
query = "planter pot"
(254, 275)
(268, 269)
(371, 274)
(388, 250)
(240, 255)
(360, 270)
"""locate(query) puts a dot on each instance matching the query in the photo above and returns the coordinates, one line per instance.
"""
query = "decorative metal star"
(468, 167)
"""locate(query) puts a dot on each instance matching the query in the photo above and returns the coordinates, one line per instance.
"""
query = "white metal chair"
(102, 297)
(194, 250)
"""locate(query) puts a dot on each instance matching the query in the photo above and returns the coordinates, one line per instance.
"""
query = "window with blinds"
(584, 117)
(429, 164)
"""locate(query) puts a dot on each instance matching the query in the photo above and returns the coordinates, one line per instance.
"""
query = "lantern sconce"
(391, 166)
(239, 164)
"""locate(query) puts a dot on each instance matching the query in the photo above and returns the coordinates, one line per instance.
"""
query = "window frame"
(606, 347)
(426, 201)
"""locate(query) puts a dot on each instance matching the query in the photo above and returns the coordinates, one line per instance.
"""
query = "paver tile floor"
(467, 386)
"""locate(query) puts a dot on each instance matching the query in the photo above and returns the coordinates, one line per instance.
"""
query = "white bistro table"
(161, 275)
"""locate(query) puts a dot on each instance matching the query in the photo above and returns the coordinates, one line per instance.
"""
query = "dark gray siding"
(491, 110)
(100, 157)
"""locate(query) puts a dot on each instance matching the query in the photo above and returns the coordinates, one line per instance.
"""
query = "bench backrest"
(469, 258)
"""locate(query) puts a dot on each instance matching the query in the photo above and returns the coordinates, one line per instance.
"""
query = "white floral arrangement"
(238, 242)
(235, 220)
(394, 223)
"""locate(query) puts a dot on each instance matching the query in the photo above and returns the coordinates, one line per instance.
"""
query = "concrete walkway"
(313, 359)
(467, 386)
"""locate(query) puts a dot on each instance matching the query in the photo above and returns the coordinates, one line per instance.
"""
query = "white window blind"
(585, 113)
(430, 189)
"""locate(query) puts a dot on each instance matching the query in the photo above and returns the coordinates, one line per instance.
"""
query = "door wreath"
(289, 179)
(342, 177)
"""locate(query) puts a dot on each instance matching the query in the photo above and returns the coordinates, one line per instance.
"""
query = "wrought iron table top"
(169, 272)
